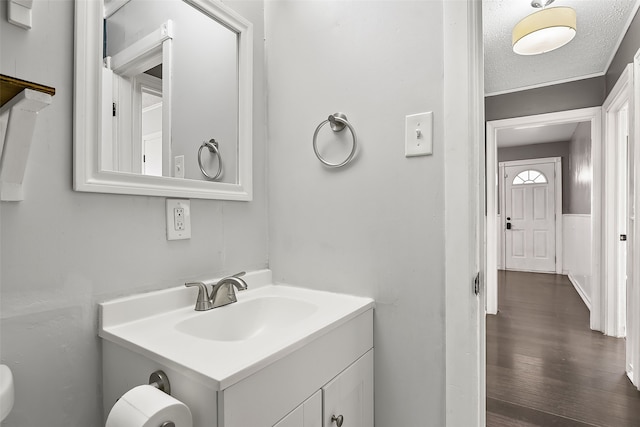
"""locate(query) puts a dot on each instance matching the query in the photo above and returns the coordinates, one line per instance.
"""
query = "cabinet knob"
(338, 420)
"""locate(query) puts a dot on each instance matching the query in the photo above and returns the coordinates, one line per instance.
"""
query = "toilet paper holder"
(160, 380)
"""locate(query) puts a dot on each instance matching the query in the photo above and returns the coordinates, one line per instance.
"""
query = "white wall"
(580, 174)
(577, 253)
(152, 121)
(62, 251)
(375, 227)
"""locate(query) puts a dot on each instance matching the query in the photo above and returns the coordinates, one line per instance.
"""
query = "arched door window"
(530, 176)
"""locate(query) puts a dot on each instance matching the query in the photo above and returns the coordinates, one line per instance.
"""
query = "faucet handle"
(242, 273)
(202, 302)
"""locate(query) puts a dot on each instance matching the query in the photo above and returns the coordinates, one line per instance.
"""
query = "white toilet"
(6, 391)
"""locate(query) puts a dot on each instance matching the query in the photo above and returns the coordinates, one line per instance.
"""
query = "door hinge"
(476, 284)
(144, 158)
(114, 109)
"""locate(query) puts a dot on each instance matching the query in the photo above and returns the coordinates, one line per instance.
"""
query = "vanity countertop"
(227, 344)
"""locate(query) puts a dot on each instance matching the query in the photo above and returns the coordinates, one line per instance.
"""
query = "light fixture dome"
(544, 31)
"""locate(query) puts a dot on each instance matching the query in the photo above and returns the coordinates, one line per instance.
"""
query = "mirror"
(163, 99)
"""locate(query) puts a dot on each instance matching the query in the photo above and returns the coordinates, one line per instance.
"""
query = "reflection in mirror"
(172, 75)
(151, 122)
(153, 81)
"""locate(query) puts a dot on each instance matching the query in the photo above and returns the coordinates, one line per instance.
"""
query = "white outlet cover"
(172, 205)
(419, 134)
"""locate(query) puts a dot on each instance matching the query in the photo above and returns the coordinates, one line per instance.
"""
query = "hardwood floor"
(545, 367)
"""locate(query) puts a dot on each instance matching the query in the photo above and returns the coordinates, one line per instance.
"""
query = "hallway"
(545, 367)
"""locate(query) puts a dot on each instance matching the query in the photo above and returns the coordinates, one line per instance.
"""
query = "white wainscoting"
(500, 229)
(577, 253)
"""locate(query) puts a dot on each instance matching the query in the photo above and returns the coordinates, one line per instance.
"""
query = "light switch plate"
(178, 219)
(419, 135)
(178, 164)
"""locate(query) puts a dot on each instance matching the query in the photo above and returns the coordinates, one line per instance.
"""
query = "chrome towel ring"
(338, 122)
(212, 145)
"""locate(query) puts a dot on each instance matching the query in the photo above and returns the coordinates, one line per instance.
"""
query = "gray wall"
(549, 99)
(627, 50)
(539, 151)
(63, 251)
(580, 175)
(374, 228)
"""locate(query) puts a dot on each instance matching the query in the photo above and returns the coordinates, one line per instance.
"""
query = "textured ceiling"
(600, 28)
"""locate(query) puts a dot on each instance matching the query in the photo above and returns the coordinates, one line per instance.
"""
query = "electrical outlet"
(178, 219)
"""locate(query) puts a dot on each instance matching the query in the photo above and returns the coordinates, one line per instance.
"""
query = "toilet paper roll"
(146, 406)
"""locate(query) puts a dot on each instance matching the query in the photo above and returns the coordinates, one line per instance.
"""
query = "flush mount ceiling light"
(544, 30)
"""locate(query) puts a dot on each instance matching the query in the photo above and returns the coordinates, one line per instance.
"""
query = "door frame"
(610, 293)
(592, 115)
(557, 161)
(633, 285)
(464, 214)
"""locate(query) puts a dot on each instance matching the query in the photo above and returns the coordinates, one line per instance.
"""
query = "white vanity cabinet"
(280, 356)
(309, 414)
(349, 395)
(339, 364)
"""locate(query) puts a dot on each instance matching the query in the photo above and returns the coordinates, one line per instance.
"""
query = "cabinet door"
(294, 419)
(350, 395)
(308, 414)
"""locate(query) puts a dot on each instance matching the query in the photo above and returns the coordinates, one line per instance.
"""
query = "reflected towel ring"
(338, 122)
(212, 145)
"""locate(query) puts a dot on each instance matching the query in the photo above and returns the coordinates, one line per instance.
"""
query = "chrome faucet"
(222, 293)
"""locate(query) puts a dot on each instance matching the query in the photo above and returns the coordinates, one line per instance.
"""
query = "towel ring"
(338, 122)
(212, 145)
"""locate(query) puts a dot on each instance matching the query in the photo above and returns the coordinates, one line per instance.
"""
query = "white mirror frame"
(87, 130)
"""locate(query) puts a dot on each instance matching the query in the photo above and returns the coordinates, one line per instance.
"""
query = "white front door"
(530, 229)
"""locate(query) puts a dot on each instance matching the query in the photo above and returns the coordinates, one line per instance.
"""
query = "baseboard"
(581, 292)
(528, 271)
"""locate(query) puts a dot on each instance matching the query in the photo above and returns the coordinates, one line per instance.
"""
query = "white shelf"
(20, 102)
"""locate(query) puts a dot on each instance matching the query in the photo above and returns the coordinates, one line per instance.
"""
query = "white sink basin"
(6, 391)
(226, 344)
(247, 319)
